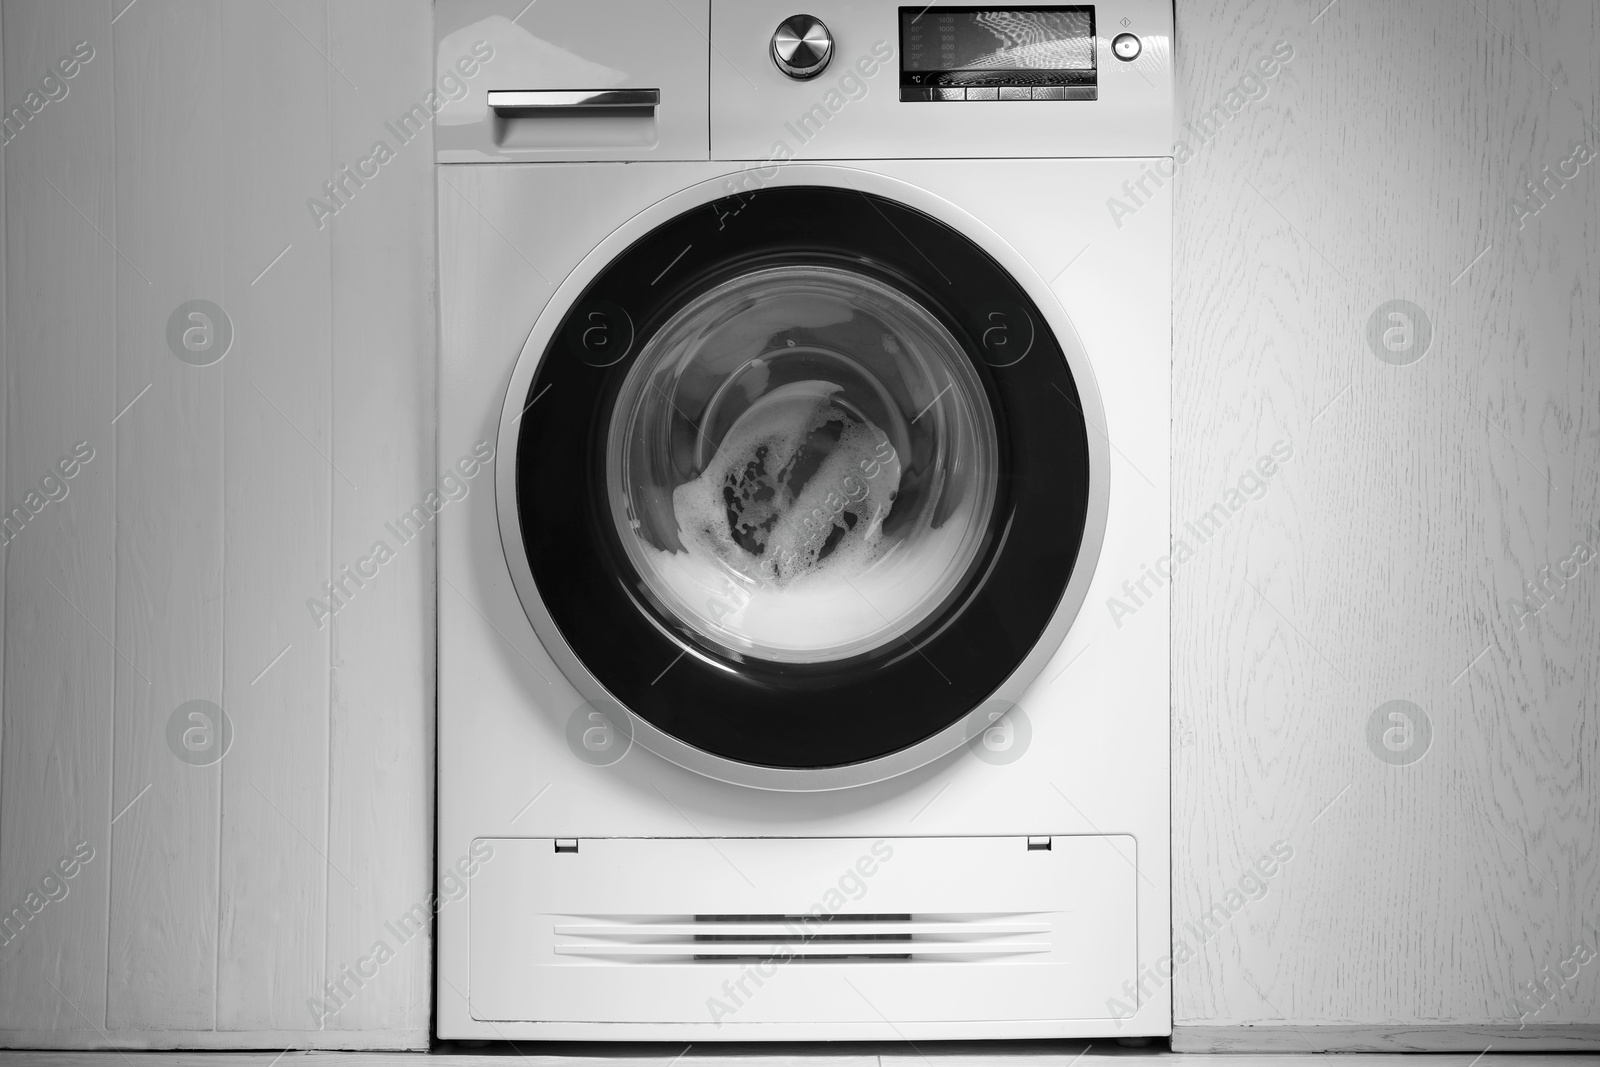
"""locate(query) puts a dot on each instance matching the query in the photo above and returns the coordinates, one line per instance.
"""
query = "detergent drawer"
(596, 80)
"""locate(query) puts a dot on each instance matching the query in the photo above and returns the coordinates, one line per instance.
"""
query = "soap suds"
(799, 489)
(783, 532)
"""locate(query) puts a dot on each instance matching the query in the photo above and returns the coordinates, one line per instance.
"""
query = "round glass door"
(801, 479)
(783, 475)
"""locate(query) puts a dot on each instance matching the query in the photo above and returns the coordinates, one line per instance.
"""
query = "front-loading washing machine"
(804, 451)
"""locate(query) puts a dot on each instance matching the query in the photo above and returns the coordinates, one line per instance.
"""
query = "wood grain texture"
(61, 277)
(1380, 564)
(228, 1043)
(1455, 1037)
(384, 374)
(278, 437)
(212, 513)
(162, 925)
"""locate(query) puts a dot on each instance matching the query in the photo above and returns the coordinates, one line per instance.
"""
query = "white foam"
(788, 597)
(844, 500)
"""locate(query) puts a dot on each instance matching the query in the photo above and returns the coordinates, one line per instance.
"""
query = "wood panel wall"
(1385, 162)
(219, 898)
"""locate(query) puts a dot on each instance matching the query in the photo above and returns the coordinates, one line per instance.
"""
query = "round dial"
(802, 46)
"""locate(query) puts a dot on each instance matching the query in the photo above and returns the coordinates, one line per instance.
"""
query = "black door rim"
(927, 738)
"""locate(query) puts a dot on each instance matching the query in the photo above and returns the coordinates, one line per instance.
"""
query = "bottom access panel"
(729, 937)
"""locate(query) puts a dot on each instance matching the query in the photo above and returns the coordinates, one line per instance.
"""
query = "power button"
(1126, 46)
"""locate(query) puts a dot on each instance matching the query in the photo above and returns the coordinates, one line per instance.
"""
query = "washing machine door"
(801, 482)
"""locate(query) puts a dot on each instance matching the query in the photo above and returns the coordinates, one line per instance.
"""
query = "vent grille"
(854, 936)
(803, 938)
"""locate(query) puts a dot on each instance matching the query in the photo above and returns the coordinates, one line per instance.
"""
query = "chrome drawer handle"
(549, 99)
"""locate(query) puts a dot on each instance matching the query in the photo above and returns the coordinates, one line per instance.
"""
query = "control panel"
(591, 80)
(865, 79)
(979, 54)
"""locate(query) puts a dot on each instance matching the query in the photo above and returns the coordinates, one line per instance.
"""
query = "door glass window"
(802, 465)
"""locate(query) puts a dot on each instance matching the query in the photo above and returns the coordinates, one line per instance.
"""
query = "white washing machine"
(803, 406)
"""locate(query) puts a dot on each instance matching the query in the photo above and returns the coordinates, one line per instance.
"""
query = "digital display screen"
(1016, 39)
(983, 53)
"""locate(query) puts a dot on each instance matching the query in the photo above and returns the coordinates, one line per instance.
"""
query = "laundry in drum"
(799, 486)
(799, 470)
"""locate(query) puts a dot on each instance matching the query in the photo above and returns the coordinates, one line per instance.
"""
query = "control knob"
(802, 46)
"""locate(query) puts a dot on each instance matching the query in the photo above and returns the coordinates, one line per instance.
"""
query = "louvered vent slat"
(831, 938)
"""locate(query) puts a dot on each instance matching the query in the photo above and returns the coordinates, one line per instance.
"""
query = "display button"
(1126, 46)
(976, 93)
(949, 94)
(1049, 92)
(915, 92)
(1014, 92)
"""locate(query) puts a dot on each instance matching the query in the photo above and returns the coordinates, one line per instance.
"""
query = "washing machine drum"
(803, 478)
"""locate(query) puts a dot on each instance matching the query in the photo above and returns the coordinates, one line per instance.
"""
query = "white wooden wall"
(177, 167)
(1380, 165)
